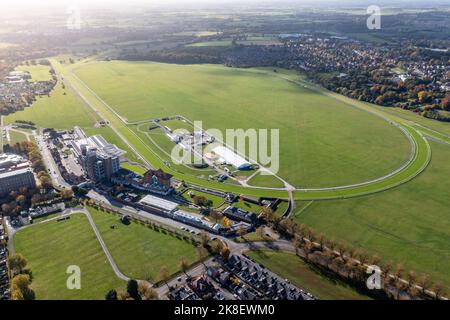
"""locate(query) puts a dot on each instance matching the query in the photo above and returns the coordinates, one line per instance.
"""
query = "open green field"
(270, 181)
(38, 72)
(15, 137)
(323, 142)
(216, 201)
(58, 111)
(53, 246)
(409, 224)
(216, 43)
(288, 265)
(137, 169)
(139, 251)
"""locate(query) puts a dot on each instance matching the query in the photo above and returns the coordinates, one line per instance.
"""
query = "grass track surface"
(323, 142)
(156, 160)
(409, 224)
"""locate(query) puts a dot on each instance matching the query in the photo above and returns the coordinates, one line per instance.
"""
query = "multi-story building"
(100, 159)
(15, 173)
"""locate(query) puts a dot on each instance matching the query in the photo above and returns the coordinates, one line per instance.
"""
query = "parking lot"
(4, 276)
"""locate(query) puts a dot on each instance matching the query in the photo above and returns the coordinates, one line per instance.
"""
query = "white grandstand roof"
(230, 157)
(159, 203)
(96, 142)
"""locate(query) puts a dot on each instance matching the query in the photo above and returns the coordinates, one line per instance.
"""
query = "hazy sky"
(42, 3)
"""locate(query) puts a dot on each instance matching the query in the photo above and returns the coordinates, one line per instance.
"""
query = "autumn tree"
(17, 263)
(147, 292)
(445, 103)
(184, 265)
(225, 253)
(164, 275)
(216, 215)
(67, 194)
(20, 288)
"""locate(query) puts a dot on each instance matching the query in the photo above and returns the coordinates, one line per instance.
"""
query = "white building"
(158, 203)
(230, 157)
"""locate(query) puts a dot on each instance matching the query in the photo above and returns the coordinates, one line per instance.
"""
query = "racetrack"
(418, 161)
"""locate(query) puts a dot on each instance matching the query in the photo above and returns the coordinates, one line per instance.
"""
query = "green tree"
(111, 295)
(132, 289)
(17, 263)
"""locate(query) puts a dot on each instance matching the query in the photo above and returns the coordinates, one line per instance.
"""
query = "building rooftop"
(159, 203)
(103, 147)
(8, 160)
(12, 173)
(231, 157)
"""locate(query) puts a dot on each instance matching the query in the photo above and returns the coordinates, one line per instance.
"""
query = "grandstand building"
(100, 159)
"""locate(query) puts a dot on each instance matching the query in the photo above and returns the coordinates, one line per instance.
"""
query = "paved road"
(116, 269)
(50, 163)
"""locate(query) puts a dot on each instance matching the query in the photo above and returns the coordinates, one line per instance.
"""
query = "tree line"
(350, 264)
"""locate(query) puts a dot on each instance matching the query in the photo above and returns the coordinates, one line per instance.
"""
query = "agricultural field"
(288, 265)
(53, 246)
(139, 251)
(409, 225)
(323, 142)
